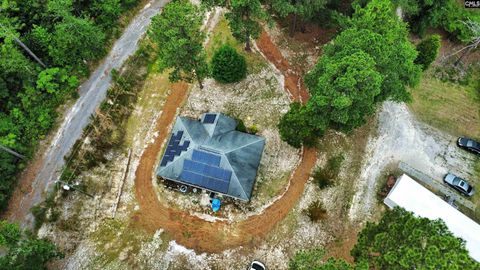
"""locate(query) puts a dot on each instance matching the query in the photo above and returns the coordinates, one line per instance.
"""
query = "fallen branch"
(120, 191)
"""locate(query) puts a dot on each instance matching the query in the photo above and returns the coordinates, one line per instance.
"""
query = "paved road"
(92, 92)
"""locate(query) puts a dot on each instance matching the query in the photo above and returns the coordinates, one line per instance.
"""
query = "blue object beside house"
(210, 154)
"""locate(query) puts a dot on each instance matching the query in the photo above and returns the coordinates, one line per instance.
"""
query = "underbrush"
(105, 132)
(316, 211)
(325, 177)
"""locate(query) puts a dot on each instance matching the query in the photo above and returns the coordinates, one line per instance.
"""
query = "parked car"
(256, 265)
(459, 184)
(469, 144)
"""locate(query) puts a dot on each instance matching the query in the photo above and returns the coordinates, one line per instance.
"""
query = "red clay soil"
(22, 194)
(196, 233)
(293, 82)
(342, 248)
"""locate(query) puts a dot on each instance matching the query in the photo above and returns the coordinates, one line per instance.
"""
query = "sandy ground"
(400, 137)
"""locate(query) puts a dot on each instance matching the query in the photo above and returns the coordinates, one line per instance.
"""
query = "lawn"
(450, 107)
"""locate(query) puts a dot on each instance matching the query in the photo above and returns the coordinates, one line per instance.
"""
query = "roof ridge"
(259, 139)
(234, 173)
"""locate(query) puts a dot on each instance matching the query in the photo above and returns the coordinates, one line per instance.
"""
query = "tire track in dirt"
(192, 231)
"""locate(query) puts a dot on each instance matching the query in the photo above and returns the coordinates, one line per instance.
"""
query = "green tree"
(295, 127)
(179, 38)
(228, 65)
(24, 251)
(402, 241)
(55, 81)
(76, 40)
(367, 63)
(444, 14)
(9, 233)
(305, 9)
(244, 20)
(106, 13)
(313, 260)
(345, 92)
(379, 32)
(427, 51)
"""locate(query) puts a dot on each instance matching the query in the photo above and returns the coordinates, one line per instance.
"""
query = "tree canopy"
(369, 62)
(402, 241)
(180, 41)
(228, 65)
(66, 35)
(427, 51)
(24, 251)
(244, 20)
(398, 241)
(445, 14)
(305, 9)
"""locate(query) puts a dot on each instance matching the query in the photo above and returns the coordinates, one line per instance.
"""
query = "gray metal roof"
(237, 152)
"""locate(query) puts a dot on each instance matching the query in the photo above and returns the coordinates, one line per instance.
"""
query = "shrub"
(241, 125)
(228, 66)
(316, 211)
(253, 129)
(427, 51)
(324, 176)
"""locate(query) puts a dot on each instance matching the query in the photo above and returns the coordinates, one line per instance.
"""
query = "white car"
(256, 265)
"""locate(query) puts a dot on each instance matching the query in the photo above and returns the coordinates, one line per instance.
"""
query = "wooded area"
(67, 36)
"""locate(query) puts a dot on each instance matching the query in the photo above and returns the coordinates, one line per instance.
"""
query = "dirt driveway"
(400, 137)
(194, 232)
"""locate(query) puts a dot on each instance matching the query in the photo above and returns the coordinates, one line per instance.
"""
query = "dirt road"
(42, 172)
(194, 232)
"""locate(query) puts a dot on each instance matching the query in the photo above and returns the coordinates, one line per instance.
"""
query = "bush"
(324, 177)
(228, 66)
(427, 51)
(240, 125)
(316, 211)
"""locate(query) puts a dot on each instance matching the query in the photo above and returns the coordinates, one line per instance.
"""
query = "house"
(412, 196)
(210, 154)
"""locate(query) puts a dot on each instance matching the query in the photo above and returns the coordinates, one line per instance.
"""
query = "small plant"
(228, 66)
(316, 211)
(253, 129)
(39, 212)
(324, 176)
(241, 125)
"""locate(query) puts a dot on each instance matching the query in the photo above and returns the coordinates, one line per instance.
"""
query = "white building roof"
(412, 196)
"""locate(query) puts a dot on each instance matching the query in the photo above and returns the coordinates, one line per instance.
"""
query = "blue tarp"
(216, 205)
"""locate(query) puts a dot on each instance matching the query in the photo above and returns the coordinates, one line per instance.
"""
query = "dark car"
(469, 144)
(459, 184)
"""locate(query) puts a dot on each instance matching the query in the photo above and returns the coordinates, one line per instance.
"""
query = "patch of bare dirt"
(15, 210)
(293, 82)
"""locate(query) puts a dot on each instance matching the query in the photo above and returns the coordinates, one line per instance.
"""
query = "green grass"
(114, 235)
(221, 34)
(450, 107)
